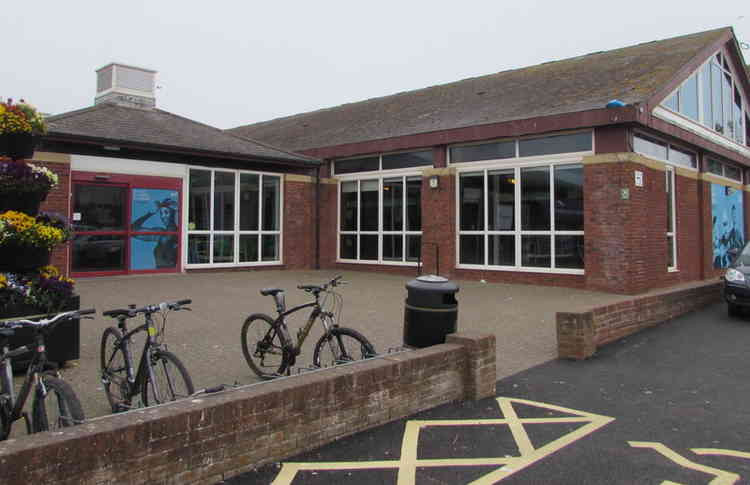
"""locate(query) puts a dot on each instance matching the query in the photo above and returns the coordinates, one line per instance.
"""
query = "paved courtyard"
(207, 339)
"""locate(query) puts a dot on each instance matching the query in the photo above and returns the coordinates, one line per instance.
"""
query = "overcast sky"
(229, 63)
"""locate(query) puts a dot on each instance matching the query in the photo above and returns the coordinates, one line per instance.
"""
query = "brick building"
(532, 175)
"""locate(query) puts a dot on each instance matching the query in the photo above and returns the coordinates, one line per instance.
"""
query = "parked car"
(737, 281)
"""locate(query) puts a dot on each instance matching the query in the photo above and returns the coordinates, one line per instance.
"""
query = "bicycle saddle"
(117, 313)
(271, 291)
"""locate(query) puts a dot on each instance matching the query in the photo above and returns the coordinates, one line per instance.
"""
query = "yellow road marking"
(719, 451)
(722, 477)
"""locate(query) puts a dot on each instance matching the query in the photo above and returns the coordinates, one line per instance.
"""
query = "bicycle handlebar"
(165, 305)
(44, 322)
(318, 288)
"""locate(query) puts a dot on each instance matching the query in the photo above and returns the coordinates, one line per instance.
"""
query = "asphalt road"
(668, 405)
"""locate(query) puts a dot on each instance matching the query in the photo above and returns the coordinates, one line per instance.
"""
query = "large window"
(660, 150)
(234, 217)
(522, 217)
(525, 147)
(724, 169)
(380, 219)
(388, 161)
(713, 97)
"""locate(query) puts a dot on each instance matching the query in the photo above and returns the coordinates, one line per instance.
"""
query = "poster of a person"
(154, 210)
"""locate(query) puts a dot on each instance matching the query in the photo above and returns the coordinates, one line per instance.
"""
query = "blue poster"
(728, 223)
(154, 210)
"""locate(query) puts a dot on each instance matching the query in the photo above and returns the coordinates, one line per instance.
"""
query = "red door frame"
(129, 182)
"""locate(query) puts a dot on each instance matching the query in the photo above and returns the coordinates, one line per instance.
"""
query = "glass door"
(99, 215)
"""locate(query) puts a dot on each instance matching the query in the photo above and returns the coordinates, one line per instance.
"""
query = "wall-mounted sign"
(638, 178)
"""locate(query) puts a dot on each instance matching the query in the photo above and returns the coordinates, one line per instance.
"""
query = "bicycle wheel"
(58, 408)
(171, 380)
(341, 345)
(263, 346)
(114, 371)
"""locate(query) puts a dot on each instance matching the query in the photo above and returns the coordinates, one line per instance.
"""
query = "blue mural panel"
(154, 210)
(728, 223)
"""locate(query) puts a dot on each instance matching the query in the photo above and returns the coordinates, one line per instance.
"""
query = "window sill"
(232, 265)
(378, 263)
(519, 269)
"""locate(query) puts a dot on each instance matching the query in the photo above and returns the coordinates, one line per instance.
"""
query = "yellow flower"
(3, 279)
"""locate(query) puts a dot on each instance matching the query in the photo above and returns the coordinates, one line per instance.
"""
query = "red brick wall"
(58, 201)
(328, 224)
(439, 225)
(299, 224)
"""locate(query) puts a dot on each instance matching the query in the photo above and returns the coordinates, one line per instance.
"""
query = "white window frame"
(668, 147)
(236, 232)
(516, 164)
(670, 179)
(359, 177)
(724, 169)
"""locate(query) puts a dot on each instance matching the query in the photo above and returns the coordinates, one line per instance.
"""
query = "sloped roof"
(631, 74)
(154, 127)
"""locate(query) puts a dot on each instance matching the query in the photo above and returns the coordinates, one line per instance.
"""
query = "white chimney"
(125, 85)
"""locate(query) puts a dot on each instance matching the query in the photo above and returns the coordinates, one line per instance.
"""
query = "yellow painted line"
(490, 421)
(407, 470)
(721, 452)
(723, 477)
(519, 433)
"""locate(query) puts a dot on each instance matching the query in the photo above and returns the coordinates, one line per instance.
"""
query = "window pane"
(681, 157)
(249, 199)
(404, 160)
(569, 252)
(747, 129)
(671, 102)
(535, 251)
(716, 98)
(413, 204)
(393, 247)
(370, 209)
(486, 151)
(502, 251)
(101, 252)
(569, 198)
(472, 250)
(708, 119)
(223, 201)
(393, 204)
(501, 186)
(649, 148)
(358, 165)
(198, 249)
(271, 203)
(269, 247)
(348, 248)
(413, 247)
(577, 142)
(670, 189)
(199, 200)
(714, 167)
(535, 198)
(726, 92)
(102, 208)
(670, 252)
(472, 201)
(349, 211)
(739, 130)
(223, 248)
(368, 247)
(689, 98)
(248, 248)
(733, 172)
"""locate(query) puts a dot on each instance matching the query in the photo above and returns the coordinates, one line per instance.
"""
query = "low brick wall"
(579, 334)
(212, 437)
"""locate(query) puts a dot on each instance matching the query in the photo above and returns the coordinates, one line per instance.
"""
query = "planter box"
(63, 343)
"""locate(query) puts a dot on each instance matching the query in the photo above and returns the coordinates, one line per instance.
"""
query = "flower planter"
(26, 202)
(20, 258)
(18, 145)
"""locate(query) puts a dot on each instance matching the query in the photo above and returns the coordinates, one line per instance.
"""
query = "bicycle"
(161, 376)
(269, 349)
(55, 403)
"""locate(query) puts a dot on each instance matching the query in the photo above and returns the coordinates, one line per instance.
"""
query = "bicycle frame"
(304, 331)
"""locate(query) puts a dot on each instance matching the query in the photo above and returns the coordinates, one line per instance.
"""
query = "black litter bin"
(431, 311)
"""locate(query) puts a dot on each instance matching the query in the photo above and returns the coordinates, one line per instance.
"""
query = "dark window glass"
(485, 151)
(199, 204)
(368, 247)
(413, 204)
(198, 252)
(393, 204)
(472, 250)
(249, 199)
(223, 201)
(689, 98)
(708, 119)
(681, 157)
(269, 247)
(357, 165)
(714, 167)
(535, 251)
(726, 92)
(413, 247)
(370, 207)
(577, 142)
(101, 208)
(501, 204)
(670, 187)
(716, 98)
(733, 172)
(248, 248)
(671, 102)
(747, 129)
(569, 198)
(472, 201)
(101, 252)
(737, 109)
(223, 249)
(670, 252)
(405, 160)
(348, 248)
(271, 203)
(393, 249)
(349, 210)
(650, 148)
(502, 250)
(535, 197)
(569, 252)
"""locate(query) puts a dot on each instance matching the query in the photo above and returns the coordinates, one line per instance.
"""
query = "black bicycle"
(55, 404)
(161, 376)
(269, 349)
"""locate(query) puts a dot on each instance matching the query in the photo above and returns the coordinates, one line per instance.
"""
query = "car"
(737, 281)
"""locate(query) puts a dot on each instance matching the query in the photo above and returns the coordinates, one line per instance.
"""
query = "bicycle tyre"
(60, 402)
(173, 384)
(338, 349)
(260, 339)
(114, 370)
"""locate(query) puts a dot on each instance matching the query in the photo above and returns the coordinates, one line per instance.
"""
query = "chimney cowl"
(125, 85)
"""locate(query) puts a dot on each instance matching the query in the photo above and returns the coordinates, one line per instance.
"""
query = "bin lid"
(432, 278)
(432, 284)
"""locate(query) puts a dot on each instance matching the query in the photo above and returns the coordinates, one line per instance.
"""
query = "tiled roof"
(630, 74)
(155, 127)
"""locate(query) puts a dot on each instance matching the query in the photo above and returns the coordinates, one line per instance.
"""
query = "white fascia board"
(88, 163)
